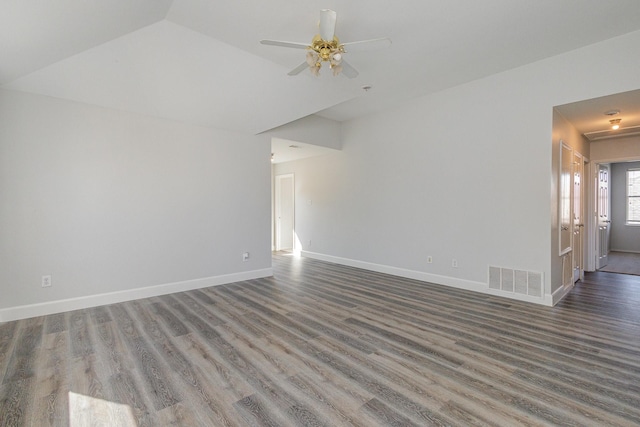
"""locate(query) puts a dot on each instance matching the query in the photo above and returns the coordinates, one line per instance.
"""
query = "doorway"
(284, 212)
(618, 220)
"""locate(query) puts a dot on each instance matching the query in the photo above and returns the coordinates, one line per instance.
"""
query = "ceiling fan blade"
(348, 70)
(364, 45)
(300, 68)
(327, 24)
(294, 45)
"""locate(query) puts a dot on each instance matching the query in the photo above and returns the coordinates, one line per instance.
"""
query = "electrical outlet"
(429, 259)
(309, 244)
(454, 263)
(46, 281)
(245, 257)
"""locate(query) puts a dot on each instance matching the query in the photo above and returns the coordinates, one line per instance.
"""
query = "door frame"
(278, 209)
(580, 164)
(602, 214)
(592, 223)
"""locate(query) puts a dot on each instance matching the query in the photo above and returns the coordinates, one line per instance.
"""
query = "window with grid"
(633, 196)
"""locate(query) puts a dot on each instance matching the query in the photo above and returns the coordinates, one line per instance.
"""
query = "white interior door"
(578, 225)
(604, 221)
(284, 207)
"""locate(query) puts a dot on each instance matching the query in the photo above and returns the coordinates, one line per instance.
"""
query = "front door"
(604, 220)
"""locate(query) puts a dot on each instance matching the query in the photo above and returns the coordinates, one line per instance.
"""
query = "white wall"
(466, 173)
(616, 149)
(108, 202)
(624, 237)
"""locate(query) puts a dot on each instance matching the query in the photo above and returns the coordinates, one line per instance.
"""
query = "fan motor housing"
(326, 48)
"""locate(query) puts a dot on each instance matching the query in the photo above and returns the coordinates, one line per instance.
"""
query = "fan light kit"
(326, 47)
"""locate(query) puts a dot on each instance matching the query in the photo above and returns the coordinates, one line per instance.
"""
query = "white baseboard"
(559, 294)
(59, 306)
(625, 250)
(546, 300)
(453, 282)
(402, 272)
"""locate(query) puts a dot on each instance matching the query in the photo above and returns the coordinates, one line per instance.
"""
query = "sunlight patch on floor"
(90, 411)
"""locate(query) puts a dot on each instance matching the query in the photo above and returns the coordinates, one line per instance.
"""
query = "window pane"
(633, 196)
(633, 182)
(633, 212)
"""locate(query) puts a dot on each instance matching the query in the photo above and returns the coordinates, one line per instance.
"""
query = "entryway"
(618, 228)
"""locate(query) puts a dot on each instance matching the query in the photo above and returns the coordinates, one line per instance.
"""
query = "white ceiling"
(200, 61)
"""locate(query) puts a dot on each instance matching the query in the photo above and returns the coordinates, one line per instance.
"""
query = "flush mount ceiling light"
(325, 47)
(615, 123)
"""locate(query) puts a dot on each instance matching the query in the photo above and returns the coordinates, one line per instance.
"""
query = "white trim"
(401, 272)
(545, 300)
(278, 207)
(563, 200)
(634, 222)
(593, 226)
(453, 282)
(59, 306)
(557, 296)
(624, 250)
(592, 218)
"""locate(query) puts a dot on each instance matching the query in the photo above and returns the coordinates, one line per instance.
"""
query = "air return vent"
(516, 281)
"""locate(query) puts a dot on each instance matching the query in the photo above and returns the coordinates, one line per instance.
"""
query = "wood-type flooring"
(623, 262)
(321, 344)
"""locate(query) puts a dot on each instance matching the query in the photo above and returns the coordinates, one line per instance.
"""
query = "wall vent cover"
(516, 281)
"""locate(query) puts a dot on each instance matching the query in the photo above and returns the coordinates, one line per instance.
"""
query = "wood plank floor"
(326, 345)
(623, 262)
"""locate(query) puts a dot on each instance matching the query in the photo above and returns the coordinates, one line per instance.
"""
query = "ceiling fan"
(325, 47)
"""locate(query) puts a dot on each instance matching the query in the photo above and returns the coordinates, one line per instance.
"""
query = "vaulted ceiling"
(200, 61)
